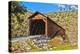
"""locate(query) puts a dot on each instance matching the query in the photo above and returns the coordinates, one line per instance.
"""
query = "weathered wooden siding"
(51, 28)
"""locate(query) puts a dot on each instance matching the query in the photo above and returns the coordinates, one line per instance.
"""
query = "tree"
(16, 17)
(16, 8)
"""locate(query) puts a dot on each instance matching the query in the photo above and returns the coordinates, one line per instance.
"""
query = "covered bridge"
(40, 24)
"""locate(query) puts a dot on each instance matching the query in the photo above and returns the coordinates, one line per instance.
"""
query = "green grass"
(64, 47)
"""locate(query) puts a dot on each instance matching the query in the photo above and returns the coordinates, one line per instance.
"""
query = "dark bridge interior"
(37, 27)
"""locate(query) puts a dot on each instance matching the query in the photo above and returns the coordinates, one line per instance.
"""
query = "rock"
(23, 46)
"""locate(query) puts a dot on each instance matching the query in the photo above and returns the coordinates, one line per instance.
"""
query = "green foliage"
(16, 7)
(19, 19)
(20, 26)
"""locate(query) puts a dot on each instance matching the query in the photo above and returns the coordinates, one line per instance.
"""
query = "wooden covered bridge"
(39, 24)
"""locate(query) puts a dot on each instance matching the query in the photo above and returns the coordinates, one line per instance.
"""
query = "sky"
(47, 7)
